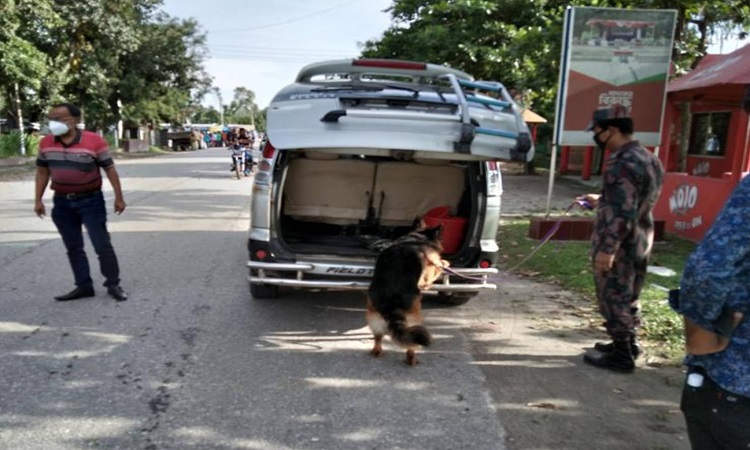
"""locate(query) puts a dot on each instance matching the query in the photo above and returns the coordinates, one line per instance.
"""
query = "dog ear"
(434, 233)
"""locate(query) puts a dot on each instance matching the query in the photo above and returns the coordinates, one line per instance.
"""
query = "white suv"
(356, 150)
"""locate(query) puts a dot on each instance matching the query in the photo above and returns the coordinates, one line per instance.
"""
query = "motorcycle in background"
(238, 160)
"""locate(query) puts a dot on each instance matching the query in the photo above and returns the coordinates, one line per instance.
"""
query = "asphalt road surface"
(190, 361)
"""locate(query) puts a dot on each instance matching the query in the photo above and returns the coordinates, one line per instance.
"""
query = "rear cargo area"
(354, 205)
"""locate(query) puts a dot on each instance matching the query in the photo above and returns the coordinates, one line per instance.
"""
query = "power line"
(269, 58)
(287, 51)
(262, 47)
(270, 53)
(296, 19)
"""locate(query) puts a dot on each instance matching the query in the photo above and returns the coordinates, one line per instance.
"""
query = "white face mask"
(57, 128)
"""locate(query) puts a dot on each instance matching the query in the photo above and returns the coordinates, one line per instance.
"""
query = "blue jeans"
(69, 217)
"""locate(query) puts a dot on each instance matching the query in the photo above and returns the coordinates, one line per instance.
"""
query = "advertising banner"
(612, 56)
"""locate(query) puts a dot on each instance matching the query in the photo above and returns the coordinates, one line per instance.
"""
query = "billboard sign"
(610, 56)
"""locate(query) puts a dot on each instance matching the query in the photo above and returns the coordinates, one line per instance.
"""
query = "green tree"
(22, 65)
(116, 58)
(159, 75)
(518, 42)
(242, 108)
(205, 114)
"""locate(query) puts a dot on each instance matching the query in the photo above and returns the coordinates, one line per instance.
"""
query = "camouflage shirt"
(631, 184)
(717, 274)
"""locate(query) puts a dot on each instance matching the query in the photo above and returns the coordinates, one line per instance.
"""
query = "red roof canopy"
(714, 72)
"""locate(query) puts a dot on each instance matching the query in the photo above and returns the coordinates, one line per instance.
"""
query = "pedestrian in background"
(206, 139)
(623, 235)
(714, 300)
(71, 159)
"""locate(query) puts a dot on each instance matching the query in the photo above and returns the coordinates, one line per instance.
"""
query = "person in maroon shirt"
(71, 159)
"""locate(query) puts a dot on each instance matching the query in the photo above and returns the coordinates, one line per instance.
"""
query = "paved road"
(190, 362)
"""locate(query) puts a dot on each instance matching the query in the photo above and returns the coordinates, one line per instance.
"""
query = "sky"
(262, 44)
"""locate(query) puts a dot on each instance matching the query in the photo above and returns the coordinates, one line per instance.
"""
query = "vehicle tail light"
(494, 180)
(268, 150)
(261, 255)
(264, 166)
(389, 64)
(485, 264)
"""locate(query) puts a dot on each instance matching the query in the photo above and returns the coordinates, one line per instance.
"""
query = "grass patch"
(566, 263)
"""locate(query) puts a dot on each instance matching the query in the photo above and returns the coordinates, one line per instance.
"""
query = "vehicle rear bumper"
(302, 275)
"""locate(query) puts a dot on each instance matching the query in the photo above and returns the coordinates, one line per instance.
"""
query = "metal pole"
(221, 105)
(19, 113)
(552, 163)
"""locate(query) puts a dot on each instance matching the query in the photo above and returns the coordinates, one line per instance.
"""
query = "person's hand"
(39, 209)
(592, 199)
(603, 262)
(119, 206)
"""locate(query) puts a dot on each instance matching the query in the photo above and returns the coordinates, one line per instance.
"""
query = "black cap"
(610, 115)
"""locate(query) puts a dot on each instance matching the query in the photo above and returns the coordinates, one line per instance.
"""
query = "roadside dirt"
(529, 339)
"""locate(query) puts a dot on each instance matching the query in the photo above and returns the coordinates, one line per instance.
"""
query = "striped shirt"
(74, 167)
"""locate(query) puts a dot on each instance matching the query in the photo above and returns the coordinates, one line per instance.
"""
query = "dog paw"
(411, 358)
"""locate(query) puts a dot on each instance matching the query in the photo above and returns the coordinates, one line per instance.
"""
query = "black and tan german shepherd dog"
(412, 263)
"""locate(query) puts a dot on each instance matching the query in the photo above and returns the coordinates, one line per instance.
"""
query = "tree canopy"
(118, 59)
(519, 41)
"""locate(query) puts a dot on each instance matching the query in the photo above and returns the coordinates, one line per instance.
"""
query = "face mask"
(599, 143)
(57, 128)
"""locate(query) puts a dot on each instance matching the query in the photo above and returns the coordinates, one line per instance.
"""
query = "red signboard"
(614, 56)
(688, 204)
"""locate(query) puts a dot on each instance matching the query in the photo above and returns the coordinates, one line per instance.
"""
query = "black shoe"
(602, 347)
(75, 294)
(620, 359)
(117, 293)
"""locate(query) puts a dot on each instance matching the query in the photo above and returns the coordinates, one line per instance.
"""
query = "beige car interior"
(337, 190)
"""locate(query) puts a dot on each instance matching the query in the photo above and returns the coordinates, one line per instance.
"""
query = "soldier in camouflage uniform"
(714, 299)
(623, 234)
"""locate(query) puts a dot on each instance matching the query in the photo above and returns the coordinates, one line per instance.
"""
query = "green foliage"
(567, 263)
(165, 66)
(242, 109)
(518, 42)
(208, 114)
(100, 54)
(10, 144)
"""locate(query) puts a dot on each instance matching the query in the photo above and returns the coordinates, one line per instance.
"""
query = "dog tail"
(406, 335)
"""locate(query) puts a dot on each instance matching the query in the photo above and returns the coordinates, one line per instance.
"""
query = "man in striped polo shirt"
(71, 158)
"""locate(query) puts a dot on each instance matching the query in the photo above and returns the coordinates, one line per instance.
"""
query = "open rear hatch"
(353, 205)
(382, 105)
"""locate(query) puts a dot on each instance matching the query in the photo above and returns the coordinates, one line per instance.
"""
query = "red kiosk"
(705, 142)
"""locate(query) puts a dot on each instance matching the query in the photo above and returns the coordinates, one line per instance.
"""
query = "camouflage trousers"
(617, 292)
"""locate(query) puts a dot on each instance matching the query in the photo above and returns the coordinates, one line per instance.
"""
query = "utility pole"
(221, 105)
(19, 114)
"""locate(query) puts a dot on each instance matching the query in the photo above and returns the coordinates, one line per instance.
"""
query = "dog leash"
(582, 203)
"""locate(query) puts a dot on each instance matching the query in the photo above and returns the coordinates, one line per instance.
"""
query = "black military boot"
(620, 359)
(604, 347)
